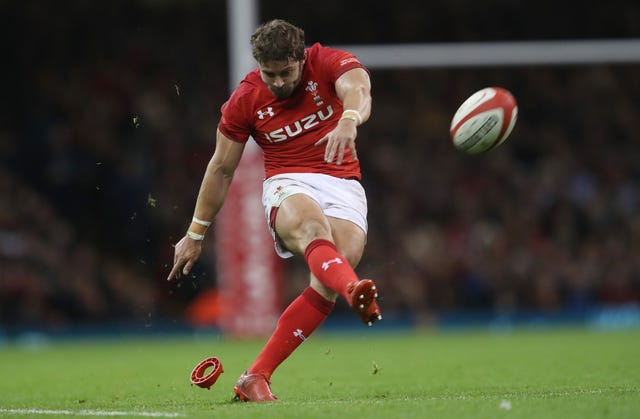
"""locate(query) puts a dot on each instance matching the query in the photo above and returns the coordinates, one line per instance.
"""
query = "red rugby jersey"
(287, 129)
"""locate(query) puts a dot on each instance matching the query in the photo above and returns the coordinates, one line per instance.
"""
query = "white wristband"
(353, 115)
(201, 222)
(195, 236)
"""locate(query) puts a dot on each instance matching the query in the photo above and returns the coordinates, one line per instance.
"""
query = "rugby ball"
(484, 120)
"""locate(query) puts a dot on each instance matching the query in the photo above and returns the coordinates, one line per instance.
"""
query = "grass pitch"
(527, 374)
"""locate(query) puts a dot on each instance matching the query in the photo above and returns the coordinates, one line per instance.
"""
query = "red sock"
(331, 268)
(298, 321)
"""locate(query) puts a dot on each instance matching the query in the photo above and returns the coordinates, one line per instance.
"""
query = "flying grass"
(533, 374)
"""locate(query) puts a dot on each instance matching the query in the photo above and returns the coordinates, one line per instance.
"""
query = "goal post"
(512, 53)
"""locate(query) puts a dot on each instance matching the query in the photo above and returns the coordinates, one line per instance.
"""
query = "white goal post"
(477, 54)
(243, 17)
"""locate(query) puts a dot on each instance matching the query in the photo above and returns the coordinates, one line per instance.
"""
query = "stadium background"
(107, 122)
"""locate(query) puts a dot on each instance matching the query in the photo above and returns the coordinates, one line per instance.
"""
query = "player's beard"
(285, 91)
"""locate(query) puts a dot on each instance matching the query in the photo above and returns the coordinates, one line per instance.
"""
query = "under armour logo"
(325, 265)
(261, 113)
(298, 333)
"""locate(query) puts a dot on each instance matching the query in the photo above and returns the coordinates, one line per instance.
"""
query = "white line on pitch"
(86, 413)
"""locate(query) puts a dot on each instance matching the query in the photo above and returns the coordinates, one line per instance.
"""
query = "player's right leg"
(303, 229)
(331, 246)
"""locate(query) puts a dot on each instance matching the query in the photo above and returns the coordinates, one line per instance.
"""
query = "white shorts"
(339, 198)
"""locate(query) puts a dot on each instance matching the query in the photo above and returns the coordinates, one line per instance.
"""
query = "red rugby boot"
(363, 300)
(253, 388)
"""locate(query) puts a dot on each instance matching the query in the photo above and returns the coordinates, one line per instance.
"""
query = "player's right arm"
(213, 191)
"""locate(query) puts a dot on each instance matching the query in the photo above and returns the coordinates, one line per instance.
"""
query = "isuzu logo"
(289, 131)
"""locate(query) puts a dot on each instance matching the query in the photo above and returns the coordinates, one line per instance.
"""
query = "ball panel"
(479, 131)
(509, 123)
(472, 103)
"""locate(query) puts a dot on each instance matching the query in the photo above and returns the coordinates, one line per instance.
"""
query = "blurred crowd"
(550, 220)
(50, 274)
(109, 124)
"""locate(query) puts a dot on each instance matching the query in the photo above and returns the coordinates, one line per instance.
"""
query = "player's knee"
(313, 229)
(351, 250)
(299, 236)
(352, 258)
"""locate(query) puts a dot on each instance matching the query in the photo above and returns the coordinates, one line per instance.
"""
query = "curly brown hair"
(277, 40)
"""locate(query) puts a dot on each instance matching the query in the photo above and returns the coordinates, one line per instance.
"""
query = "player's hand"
(186, 254)
(343, 136)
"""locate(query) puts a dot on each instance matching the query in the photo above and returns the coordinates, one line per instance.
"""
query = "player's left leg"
(304, 315)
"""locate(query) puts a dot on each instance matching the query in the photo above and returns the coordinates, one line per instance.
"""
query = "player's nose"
(278, 82)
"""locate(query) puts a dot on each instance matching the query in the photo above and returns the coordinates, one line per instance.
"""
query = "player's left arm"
(354, 90)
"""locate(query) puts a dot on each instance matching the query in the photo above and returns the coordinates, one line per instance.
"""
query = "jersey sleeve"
(337, 62)
(234, 123)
